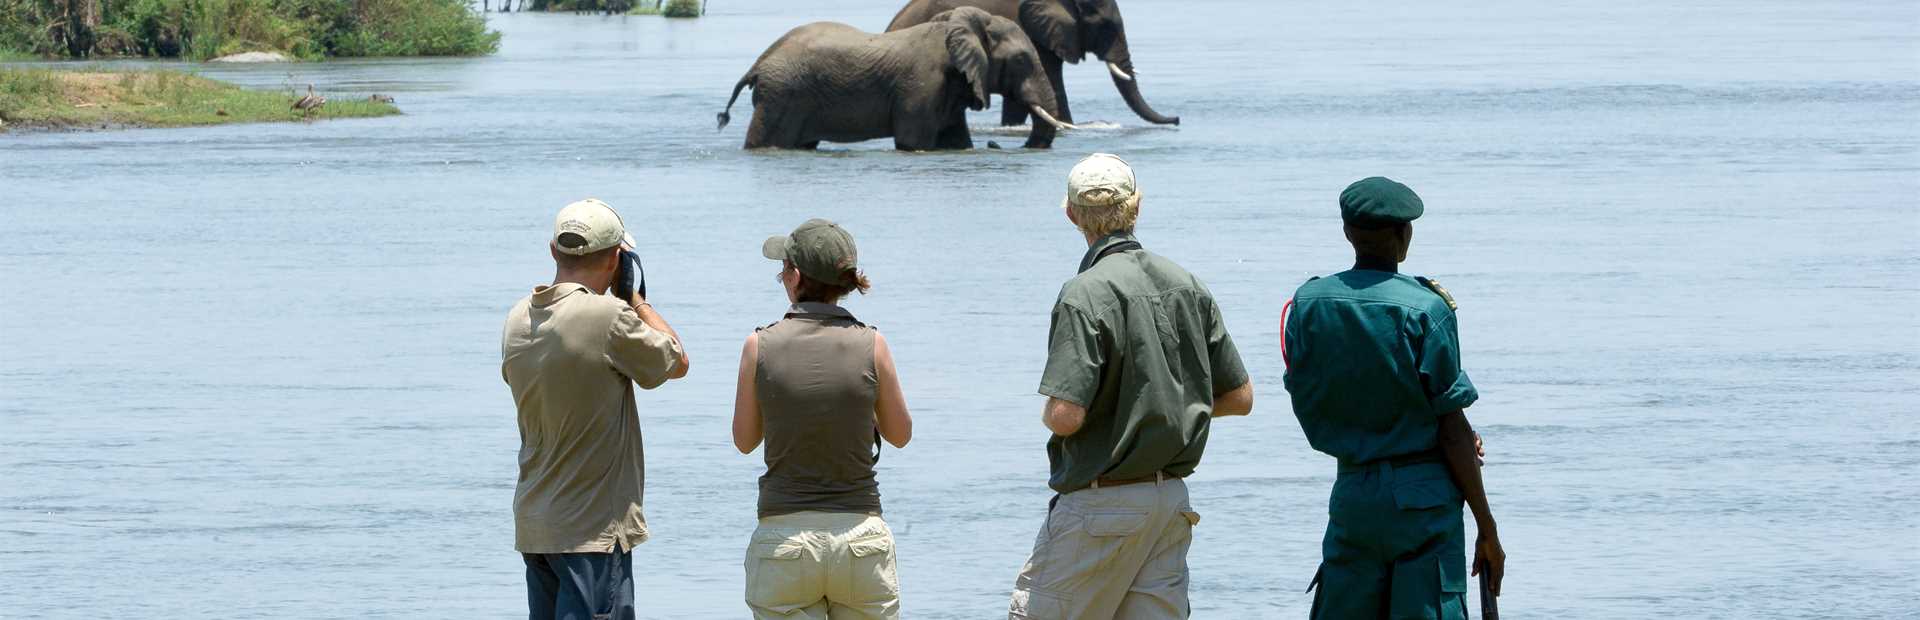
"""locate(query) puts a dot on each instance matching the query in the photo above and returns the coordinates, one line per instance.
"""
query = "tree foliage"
(202, 29)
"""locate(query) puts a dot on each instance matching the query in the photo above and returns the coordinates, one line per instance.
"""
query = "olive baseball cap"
(1379, 202)
(1100, 180)
(588, 226)
(818, 248)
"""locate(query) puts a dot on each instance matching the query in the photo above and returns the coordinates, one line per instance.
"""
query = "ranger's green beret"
(1379, 202)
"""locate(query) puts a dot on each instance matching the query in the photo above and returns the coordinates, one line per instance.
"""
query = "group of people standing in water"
(1139, 362)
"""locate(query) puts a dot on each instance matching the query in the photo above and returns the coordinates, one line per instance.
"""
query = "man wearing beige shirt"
(571, 356)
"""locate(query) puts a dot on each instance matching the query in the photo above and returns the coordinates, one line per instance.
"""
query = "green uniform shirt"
(1373, 361)
(1139, 342)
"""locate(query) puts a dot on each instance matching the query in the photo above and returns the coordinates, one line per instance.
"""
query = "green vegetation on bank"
(669, 8)
(204, 29)
(50, 99)
(683, 8)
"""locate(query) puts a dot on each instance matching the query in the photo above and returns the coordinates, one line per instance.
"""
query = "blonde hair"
(1101, 221)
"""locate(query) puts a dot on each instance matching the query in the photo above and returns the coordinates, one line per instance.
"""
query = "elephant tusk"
(1041, 113)
(1118, 73)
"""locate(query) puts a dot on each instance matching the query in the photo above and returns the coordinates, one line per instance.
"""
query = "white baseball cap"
(1100, 180)
(588, 226)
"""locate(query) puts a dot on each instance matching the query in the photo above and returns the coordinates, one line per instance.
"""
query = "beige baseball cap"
(588, 226)
(1100, 180)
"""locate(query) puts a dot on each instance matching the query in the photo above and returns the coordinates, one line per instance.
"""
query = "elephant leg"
(955, 136)
(1052, 64)
(915, 136)
(759, 135)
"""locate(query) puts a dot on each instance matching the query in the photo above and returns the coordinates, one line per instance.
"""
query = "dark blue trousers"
(579, 586)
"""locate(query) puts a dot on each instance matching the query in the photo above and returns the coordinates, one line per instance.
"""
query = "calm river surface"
(254, 370)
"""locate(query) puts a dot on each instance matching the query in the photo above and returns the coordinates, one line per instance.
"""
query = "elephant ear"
(1053, 27)
(969, 57)
(974, 19)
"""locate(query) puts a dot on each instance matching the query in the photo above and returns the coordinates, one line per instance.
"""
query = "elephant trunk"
(1126, 80)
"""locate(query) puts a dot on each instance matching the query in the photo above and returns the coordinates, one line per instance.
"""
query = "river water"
(253, 370)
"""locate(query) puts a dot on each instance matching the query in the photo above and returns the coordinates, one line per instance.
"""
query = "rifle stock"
(1489, 604)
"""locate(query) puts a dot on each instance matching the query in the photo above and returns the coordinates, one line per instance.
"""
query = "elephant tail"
(745, 81)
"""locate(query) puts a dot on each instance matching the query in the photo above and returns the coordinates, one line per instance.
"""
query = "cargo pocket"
(776, 568)
(1313, 587)
(1427, 586)
(1453, 576)
(873, 567)
(1034, 604)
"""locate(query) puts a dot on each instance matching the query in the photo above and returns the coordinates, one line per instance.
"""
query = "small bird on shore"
(378, 98)
(306, 105)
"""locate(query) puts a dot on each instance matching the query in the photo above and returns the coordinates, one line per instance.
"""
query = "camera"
(632, 277)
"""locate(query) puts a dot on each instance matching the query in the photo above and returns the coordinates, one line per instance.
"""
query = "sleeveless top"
(816, 383)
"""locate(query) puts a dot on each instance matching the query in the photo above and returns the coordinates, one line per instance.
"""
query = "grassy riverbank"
(204, 29)
(46, 99)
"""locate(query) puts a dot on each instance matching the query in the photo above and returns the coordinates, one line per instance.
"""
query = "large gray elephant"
(830, 82)
(1064, 31)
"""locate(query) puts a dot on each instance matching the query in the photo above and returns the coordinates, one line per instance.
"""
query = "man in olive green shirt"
(1138, 364)
(571, 356)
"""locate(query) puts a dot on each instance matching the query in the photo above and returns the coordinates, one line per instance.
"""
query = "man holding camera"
(571, 356)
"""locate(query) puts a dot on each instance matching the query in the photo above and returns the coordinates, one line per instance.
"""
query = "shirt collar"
(1086, 262)
(814, 307)
(548, 295)
(1374, 264)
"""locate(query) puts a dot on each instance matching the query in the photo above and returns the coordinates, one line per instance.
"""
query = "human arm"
(643, 353)
(890, 407)
(654, 320)
(1460, 447)
(1062, 417)
(1237, 401)
(1076, 355)
(747, 429)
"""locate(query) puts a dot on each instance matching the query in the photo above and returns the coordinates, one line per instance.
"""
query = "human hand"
(1479, 449)
(1490, 557)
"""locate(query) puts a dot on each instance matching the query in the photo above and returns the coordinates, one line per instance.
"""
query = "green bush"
(682, 8)
(202, 29)
(416, 28)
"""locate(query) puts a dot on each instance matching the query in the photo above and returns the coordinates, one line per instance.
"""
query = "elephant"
(831, 82)
(1064, 31)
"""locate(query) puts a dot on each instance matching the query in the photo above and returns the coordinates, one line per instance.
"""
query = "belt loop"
(1096, 484)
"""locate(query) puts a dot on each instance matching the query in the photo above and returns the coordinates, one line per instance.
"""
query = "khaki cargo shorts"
(1113, 552)
(818, 565)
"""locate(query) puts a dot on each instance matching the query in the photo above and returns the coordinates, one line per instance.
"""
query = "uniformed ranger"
(1138, 364)
(1373, 366)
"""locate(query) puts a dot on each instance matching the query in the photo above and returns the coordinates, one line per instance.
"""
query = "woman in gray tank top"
(819, 388)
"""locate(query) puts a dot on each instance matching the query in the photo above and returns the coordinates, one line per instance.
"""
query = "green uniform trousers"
(1395, 545)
